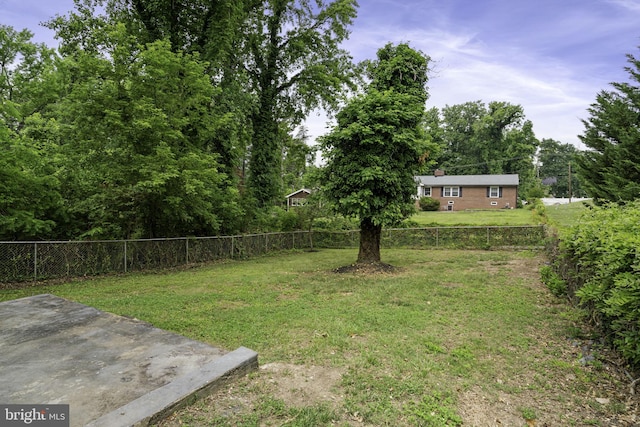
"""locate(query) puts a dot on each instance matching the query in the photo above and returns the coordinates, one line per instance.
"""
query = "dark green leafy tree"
(610, 168)
(215, 30)
(294, 64)
(30, 203)
(557, 168)
(31, 206)
(377, 146)
(273, 61)
(136, 126)
(297, 158)
(210, 29)
(487, 139)
(457, 130)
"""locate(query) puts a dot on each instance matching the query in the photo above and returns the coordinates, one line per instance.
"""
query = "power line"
(486, 163)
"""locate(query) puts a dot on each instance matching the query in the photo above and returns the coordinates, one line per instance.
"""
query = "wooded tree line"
(161, 118)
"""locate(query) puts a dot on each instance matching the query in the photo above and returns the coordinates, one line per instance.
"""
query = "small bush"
(553, 281)
(429, 204)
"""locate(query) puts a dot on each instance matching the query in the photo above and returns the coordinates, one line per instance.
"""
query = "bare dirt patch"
(368, 268)
(294, 385)
(297, 385)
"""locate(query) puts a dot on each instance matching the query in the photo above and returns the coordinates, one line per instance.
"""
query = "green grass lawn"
(476, 217)
(451, 337)
(565, 216)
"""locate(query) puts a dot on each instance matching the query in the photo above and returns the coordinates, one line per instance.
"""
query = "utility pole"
(569, 182)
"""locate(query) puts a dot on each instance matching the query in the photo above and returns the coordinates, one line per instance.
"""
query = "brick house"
(460, 192)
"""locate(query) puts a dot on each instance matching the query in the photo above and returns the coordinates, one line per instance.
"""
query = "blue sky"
(550, 56)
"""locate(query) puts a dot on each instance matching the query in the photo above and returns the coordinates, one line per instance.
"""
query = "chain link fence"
(481, 237)
(33, 261)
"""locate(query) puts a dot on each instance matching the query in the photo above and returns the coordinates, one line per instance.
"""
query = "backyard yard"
(448, 338)
(476, 217)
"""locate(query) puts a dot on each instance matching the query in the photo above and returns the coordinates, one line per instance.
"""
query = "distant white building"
(550, 201)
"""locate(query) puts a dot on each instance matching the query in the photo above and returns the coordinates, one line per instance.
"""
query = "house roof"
(468, 180)
(302, 190)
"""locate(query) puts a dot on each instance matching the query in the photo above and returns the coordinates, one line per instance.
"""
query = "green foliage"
(604, 246)
(30, 201)
(485, 139)
(556, 285)
(429, 204)
(294, 62)
(31, 206)
(535, 190)
(374, 151)
(610, 169)
(538, 210)
(136, 126)
(276, 219)
(557, 169)
(528, 414)
(378, 146)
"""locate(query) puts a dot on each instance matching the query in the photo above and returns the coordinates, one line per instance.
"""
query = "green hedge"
(429, 204)
(600, 260)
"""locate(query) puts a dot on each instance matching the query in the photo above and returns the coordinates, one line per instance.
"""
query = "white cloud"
(467, 69)
(632, 5)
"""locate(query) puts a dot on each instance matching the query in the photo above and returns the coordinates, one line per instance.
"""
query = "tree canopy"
(159, 118)
(610, 168)
(478, 138)
(294, 64)
(557, 168)
(375, 150)
(30, 202)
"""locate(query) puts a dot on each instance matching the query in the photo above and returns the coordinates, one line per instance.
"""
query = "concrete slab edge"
(162, 402)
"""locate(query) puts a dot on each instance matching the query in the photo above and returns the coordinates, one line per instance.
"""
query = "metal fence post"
(125, 256)
(187, 249)
(232, 248)
(35, 262)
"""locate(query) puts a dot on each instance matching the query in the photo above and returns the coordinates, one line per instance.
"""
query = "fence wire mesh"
(24, 261)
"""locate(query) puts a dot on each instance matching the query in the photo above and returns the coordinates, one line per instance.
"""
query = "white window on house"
(426, 191)
(494, 192)
(494, 203)
(451, 191)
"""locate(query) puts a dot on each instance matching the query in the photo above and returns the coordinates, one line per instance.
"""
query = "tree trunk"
(369, 241)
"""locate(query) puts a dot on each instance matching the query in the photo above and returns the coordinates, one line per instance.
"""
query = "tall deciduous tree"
(610, 168)
(487, 139)
(274, 61)
(136, 125)
(376, 148)
(297, 157)
(557, 168)
(209, 28)
(295, 64)
(30, 201)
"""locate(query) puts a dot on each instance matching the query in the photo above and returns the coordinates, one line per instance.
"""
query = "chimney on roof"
(438, 172)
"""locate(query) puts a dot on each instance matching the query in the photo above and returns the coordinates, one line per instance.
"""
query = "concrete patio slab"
(113, 371)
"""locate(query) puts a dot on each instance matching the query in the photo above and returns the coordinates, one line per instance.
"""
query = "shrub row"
(599, 262)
